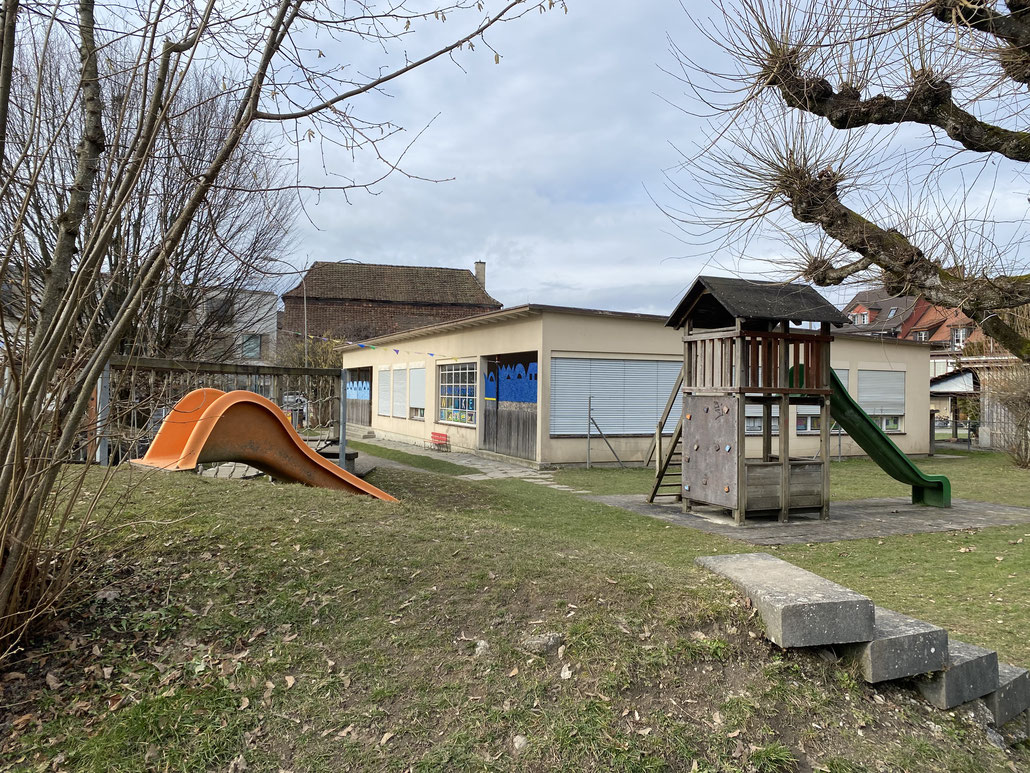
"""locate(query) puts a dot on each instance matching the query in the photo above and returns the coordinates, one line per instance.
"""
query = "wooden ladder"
(668, 477)
(668, 456)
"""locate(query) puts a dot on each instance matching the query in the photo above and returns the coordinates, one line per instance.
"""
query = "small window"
(889, 423)
(400, 392)
(417, 394)
(959, 336)
(892, 312)
(808, 425)
(251, 348)
(922, 335)
(383, 409)
(220, 309)
(753, 425)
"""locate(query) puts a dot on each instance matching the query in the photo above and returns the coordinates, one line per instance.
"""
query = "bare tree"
(292, 63)
(874, 140)
(229, 250)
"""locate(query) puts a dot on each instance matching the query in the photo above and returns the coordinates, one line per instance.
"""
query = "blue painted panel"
(516, 383)
(359, 390)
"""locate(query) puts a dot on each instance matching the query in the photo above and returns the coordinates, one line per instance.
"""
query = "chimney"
(481, 273)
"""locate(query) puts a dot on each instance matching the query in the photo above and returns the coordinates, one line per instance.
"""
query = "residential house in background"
(243, 325)
(878, 313)
(353, 301)
(962, 360)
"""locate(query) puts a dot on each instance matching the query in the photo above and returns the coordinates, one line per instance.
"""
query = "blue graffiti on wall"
(359, 390)
(517, 383)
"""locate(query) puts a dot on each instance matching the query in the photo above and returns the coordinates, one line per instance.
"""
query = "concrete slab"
(1012, 697)
(901, 646)
(848, 520)
(972, 673)
(799, 609)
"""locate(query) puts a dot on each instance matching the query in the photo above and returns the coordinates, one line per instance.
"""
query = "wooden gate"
(359, 396)
(509, 410)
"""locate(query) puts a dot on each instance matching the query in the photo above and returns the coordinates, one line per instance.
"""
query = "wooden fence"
(136, 393)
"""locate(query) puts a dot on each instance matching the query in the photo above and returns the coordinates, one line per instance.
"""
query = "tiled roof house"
(879, 313)
(358, 301)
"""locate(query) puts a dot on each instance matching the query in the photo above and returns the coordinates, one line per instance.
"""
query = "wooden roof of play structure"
(714, 302)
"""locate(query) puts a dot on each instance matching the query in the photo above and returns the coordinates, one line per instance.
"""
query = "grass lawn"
(420, 461)
(975, 583)
(285, 627)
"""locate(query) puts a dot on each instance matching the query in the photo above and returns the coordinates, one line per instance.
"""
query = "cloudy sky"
(553, 154)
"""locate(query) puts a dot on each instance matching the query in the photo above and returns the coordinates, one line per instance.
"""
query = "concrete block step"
(901, 646)
(971, 673)
(799, 609)
(1012, 697)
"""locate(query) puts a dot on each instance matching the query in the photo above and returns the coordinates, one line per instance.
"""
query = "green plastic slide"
(934, 490)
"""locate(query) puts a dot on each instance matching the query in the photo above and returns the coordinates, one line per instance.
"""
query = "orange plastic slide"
(209, 425)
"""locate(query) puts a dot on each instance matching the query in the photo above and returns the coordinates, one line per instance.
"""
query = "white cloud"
(551, 151)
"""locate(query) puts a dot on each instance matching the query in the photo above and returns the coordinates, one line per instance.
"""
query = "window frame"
(248, 337)
(454, 407)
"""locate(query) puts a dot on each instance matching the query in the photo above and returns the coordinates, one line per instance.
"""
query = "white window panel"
(882, 392)
(627, 397)
(384, 392)
(400, 393)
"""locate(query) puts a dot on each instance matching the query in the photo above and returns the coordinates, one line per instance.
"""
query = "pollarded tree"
(302, 65)
(877, 140)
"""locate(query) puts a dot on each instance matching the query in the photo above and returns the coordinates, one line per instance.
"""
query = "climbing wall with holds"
(710, 455)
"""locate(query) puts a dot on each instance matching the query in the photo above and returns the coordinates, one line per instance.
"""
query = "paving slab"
(972, 673)
(799, 609)
(859, 519)
(901, 646)
(1012, 697)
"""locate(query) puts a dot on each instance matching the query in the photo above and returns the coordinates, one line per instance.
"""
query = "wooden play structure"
(740, 350)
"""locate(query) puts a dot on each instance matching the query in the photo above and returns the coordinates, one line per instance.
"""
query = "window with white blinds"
(400, 393)
(384, 393)
(882, 392)
(417, 395)
(627, 397)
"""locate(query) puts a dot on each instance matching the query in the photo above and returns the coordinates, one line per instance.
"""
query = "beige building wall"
(617, 337)
(856, 353)
(465, 344)
(597, 335)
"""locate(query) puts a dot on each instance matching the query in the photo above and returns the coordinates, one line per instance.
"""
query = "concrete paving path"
(488, 469)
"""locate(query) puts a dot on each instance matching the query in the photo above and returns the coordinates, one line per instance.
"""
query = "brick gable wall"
(361, 320)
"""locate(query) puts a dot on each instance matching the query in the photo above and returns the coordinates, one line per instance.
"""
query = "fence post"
(103, 408)
(933, 431)
(342, 461)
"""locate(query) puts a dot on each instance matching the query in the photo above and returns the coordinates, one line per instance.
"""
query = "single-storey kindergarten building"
(519, 382)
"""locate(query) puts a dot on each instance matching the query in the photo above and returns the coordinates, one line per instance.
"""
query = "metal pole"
(304, 290)
(103, 408)
(589, 417)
